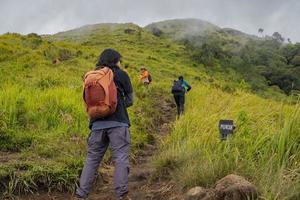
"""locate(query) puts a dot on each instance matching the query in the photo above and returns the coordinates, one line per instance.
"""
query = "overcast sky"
(51, 16)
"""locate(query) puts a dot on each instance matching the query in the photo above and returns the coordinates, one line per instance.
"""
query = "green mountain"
(43, 124)
(188, 29)
(261, 62)
(181, 28)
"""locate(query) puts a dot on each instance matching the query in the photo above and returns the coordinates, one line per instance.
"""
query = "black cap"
(180, 77)
(108, 58)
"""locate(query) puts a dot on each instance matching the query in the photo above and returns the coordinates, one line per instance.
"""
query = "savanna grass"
(264, 147)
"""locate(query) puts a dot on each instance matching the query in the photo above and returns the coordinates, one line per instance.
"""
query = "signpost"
(226, 127)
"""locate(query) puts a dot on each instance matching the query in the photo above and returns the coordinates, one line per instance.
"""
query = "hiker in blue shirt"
(179, 89)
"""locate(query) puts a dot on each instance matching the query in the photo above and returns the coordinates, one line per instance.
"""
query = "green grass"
(264, 148)
(43, 124)
(42, 118)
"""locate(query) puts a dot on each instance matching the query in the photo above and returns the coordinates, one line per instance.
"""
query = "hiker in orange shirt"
(145, 76)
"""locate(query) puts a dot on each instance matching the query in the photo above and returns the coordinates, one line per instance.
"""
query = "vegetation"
(43, 124)
(264, 147)
(261, 62)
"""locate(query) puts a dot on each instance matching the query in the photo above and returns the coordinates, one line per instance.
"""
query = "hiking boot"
(125, 197)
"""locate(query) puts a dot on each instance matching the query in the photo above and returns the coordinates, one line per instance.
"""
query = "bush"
(65, 54)
(296, 61)
(156, 31)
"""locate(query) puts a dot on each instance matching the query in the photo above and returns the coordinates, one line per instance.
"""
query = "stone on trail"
(233, 187)
(199, 193)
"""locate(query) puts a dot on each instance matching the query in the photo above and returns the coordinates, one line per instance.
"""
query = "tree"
(296, 61)
(278, 37)
(260, 31)
(156, 31)
(289, 52)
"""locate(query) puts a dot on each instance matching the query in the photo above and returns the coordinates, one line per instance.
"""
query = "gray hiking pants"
(98, 141)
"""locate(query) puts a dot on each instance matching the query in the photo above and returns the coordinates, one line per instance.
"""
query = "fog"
(51, 16)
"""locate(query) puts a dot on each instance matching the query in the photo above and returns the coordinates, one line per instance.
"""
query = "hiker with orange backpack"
(145, 76)
(107, 94)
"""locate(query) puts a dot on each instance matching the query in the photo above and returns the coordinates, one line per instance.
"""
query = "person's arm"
(129, 100)
(188, 86)
(127, 89)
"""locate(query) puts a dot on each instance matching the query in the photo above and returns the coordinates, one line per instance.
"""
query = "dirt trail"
(141, 184)
(7, 157)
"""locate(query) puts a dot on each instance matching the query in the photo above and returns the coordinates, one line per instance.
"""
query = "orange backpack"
(100, 93)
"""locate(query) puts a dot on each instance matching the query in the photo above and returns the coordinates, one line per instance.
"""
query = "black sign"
(226, 127)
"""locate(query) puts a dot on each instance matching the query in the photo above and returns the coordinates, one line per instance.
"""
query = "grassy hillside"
(43, 125)
(264, 148)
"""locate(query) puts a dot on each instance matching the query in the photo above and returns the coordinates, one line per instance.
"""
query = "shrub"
(296, 61)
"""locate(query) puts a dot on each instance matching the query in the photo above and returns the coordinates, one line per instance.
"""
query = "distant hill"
(189, 29)
(94, 30)
(181, 28)
(177, 30)
(239, 34)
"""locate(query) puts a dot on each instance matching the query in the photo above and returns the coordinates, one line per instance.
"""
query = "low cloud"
(51, 16)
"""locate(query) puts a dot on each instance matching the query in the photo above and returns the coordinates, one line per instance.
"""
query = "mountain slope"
(261, 62)
(182, 29)
(43, 125)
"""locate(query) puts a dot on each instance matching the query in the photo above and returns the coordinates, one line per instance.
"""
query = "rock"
(129, 31)
(199, 193)
(233, 187)
(56, 61)
(196, 193)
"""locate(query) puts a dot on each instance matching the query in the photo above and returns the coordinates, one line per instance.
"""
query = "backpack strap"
(114, 69)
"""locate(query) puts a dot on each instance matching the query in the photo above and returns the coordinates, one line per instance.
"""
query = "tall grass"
(43, 124)
(264, 148)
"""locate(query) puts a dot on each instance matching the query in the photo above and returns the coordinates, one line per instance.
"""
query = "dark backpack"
(177, 87)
